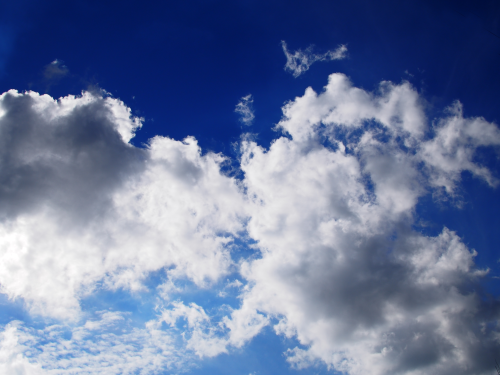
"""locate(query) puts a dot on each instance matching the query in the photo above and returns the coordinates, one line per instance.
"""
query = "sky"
(249, 187)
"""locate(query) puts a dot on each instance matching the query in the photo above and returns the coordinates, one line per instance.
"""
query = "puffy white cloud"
(340, 105)
(300, 61)
(210, 336)
(329, 209)
(244, 108)
(342, 269)
(80, 205)
(452, 149)
(205, 338)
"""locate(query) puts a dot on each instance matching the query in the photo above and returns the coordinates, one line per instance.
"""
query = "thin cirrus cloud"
(300, 61)
(245, 110)
(329, 209)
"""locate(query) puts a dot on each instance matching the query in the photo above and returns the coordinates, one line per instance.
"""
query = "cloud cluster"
(342, 269)
(300, 61)
(80, 205)
(99, 346)
(328, 209)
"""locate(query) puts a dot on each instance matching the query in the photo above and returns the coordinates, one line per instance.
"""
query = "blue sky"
(249, 187)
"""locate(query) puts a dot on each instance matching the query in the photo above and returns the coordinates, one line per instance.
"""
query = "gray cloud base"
(72, 162)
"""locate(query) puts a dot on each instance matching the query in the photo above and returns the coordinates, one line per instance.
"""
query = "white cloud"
(452, 149)
(97, 347)
(342, 269)
(300, 61)
(244, 108)
(330, 208)
(80, 205)
(206, 339)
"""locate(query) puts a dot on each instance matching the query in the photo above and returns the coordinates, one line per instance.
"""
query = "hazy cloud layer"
(300, 61)
(329, 208)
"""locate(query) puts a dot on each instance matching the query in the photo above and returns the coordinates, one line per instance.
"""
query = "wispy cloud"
(55, 70)
(53, 73)
(300, 61)
(244, 108)
(89, 169)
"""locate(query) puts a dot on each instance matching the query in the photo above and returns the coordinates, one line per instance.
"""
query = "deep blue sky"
(184, 65)
(187, 63)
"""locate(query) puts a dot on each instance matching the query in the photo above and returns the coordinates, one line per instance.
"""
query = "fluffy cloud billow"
(328, 212)
(341, 268)
(81, 205)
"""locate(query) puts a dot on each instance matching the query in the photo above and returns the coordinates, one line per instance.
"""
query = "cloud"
(244, 109)
(55, 70)
(342, 268)
(98, 347)
(452, 149)
(82, 206)
(327, 213)
(205, 338)
(300, 61)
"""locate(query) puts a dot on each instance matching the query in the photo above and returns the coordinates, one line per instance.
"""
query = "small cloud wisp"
(300, 61)
(245, 110)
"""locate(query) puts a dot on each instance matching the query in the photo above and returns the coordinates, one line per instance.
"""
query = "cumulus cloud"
(452, 149)
(342, 270)
(300, 61)
(245, 110)
(329, 210)
(80, 205)
(205, 338)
